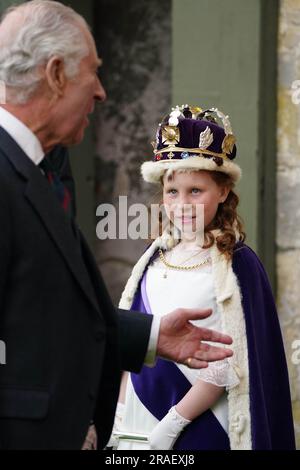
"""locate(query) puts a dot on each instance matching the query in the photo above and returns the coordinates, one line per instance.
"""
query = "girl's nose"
(184, 200)
(184, 207)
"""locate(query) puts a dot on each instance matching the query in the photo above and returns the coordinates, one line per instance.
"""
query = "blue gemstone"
(185, 155)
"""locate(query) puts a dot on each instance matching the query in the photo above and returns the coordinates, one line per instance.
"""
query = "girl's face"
(192, 189)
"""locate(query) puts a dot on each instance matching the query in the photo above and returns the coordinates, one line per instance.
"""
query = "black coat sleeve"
(134, 334)
(5, 240)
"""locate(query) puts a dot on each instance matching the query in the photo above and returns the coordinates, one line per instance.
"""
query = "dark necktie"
(58, 187)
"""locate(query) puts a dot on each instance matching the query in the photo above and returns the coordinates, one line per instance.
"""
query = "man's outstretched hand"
(181, 341)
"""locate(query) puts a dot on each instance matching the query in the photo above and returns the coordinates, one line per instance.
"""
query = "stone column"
(288, 194)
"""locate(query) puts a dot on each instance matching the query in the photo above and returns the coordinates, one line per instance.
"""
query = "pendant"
(165, 275)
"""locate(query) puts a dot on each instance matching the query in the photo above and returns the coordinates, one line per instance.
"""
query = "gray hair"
(47, 29)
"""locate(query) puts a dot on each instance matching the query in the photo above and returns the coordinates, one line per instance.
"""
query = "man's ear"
(55, 76)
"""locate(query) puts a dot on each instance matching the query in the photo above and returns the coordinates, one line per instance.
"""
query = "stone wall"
(134, 39)
(288, 194)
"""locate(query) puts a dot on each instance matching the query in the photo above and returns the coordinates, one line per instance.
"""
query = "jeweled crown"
(188, 131)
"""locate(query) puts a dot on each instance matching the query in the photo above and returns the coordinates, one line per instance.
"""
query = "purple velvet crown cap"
(190, 130)
(190, 138)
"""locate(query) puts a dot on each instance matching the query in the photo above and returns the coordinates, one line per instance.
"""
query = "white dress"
(168, 289)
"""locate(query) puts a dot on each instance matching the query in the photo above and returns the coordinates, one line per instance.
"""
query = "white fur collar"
(228, 297)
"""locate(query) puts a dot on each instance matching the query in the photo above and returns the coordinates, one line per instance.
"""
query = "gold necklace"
(190, 257)
(181, 268)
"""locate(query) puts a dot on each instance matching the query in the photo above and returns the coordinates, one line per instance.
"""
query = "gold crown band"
(172, 148)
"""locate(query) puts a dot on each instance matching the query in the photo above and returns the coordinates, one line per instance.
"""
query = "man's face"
(70, 116)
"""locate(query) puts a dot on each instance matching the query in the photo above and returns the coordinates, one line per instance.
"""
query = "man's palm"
(181, 341)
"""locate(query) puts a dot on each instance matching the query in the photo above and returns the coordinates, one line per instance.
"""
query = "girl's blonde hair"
(227, 219)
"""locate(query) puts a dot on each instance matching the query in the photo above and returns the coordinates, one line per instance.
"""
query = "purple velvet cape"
(161, 387)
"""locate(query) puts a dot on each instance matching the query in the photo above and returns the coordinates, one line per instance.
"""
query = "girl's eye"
(196, 191)
(172, 191)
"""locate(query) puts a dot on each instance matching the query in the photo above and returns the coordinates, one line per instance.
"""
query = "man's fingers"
(194, 363)
(210, 348)
(214, 336)
(213, 354)
(195, 313)
(206, 335)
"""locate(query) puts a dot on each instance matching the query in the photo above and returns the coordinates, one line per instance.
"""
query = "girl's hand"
(90, 442)
(114, 441)
(167, 431)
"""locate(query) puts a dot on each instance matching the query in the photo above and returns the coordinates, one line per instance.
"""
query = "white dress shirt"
(32, 147)
(22, 135)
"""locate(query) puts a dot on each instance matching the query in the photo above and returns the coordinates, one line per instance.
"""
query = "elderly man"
(60, 328)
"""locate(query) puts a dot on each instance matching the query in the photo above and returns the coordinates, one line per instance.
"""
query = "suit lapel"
(44, 201)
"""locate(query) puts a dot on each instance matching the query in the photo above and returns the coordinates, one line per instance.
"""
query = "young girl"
(239, 403)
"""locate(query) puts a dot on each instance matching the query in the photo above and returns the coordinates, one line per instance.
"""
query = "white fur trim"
(166, 241)
(136, 274)
(153, 171)
(229, 301)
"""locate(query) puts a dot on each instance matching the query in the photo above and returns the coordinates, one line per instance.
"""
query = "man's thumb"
(197, 314)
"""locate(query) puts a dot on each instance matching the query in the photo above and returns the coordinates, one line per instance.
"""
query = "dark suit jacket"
(56, 319)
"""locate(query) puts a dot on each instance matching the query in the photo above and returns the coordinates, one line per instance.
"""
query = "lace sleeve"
(220, 373)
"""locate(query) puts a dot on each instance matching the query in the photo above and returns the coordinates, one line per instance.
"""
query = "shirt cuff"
(150, 359)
